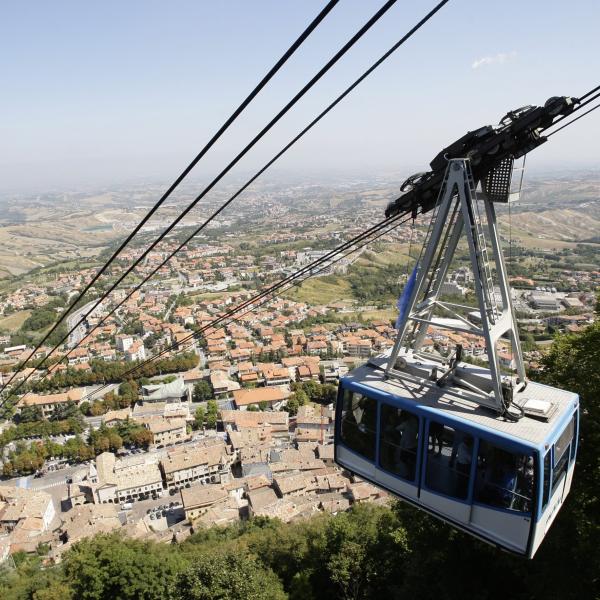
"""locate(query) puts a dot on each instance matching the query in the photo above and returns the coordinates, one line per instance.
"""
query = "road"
(96, 392)
(52, 479)
(72, 320)
(169, 309)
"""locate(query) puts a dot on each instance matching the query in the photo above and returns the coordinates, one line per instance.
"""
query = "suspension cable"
(276, 157)
(276, 67)
(283, 285)
(587, 112)
(576, 109)
(306, 269)
(590, 92)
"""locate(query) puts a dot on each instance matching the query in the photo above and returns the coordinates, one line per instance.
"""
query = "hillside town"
(165, 410)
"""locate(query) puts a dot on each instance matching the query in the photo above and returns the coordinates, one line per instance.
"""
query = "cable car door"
(447, 470)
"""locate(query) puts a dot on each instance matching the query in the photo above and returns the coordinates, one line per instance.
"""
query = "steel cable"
(289, 52)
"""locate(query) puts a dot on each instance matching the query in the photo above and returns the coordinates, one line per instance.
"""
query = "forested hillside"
(369, 552)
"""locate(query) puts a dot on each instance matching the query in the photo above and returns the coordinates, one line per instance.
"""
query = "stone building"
(205, 465)
(127, 479)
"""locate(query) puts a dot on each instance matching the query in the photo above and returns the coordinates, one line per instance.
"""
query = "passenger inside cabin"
(399, 441)
(359, 424)
(436, 435)
(448, 469)
(463, 463)
(525, 476)
(456, 442)
(504, 480)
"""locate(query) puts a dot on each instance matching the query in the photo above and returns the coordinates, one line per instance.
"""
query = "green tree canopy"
(107, 567)
(202, 391)
(227, 576)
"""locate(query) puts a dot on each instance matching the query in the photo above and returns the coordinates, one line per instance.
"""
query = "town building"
(272, 397)
(166, 431)
(50, 402)
(277, 421)
(543, 301)
(127, 479)
(196, 464)
(18, 504)
(222, 386)
(26, 518)
(175, 391)
(86, 521)
(199, 498)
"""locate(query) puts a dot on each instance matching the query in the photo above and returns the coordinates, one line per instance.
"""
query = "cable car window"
(504, 479)
(575, 432)
(359, 419)
(562, 451)
(399, 439)
(559, 469)
(450, 454)
(546, 479)
(562, 443)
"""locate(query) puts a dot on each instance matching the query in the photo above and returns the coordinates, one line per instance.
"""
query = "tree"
(57, 590)
(39, 319)
(128, 390)
(227, 576)
(142, 437)
(199, 418)
(212, 414)
(97, 408)
(109, 566)
(292, 405)
(202, 391)
(29, 414)
(253, 408)
(296, 400)
(66, 411)
(114, 441)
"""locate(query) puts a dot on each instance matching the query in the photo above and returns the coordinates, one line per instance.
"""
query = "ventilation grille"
(497, 181)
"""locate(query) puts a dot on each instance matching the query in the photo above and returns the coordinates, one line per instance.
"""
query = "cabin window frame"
(533, 500)
(425, 457)
(575, 440)
(419, 449)
(562, 465)
(377, 402)
(546, 474)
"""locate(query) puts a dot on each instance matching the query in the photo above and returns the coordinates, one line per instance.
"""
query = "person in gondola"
(463, 465)
(436, 433)
(409, 431)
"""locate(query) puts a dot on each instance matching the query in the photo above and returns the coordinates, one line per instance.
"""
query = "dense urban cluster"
(233, 420)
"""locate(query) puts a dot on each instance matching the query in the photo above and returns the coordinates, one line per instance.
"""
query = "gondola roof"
(529, 430)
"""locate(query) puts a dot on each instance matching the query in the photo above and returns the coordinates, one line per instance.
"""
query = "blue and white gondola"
(501, 481)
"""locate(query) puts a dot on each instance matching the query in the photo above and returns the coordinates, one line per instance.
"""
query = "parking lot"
(152, 511)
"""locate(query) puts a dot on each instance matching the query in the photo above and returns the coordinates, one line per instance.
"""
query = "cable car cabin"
(503, 482)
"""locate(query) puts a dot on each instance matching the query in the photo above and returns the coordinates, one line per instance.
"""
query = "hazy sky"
(112, 90)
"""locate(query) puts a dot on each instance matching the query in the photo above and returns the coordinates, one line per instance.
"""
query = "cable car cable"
(292, 281)
(307, 271)
(289, 145)
(336, 57)
(276, 67)
(575, 110)
(587, 112)
(308, 267)
(589, 93)
(264, 168)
